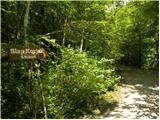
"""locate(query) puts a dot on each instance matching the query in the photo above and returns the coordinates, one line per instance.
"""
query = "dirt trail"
(139, 95)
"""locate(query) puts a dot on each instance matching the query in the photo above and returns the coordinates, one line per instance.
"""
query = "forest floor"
(138, 95)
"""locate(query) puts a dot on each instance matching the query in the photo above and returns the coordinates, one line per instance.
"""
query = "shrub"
(74, 84)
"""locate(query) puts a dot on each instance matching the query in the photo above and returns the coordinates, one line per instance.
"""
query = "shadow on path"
(139, 95)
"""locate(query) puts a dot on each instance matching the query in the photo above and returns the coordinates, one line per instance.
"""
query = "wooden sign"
(27, 53)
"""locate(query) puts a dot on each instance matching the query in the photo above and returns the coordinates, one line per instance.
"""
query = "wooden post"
(32, 105)
(30, 87)
(42, 93)
(30, 70)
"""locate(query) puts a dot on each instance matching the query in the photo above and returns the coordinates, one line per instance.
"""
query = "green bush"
(150, 54)
(75, 83)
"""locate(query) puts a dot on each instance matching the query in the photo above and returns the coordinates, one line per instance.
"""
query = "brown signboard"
(27, 53)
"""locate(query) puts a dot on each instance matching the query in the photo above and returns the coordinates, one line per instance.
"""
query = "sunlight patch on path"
(139, 96)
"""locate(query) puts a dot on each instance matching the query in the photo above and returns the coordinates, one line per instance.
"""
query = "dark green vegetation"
(85, 41)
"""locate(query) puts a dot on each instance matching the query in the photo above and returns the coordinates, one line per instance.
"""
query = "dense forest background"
(85, 42)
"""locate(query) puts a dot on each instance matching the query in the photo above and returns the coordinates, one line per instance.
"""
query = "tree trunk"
(19, 32)
(69, 45)
(26, 22)
(86, 45)
(82, 39)
(157, 47)
(64, 32)
(140, 50)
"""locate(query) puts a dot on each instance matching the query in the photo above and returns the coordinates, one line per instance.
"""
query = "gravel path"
(139, 95)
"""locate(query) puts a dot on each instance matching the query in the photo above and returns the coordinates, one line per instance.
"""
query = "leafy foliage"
(84, 41)
(77, 81)
(135, 29)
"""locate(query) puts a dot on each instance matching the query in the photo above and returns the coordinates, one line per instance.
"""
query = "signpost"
(21, 53)
(28, 53)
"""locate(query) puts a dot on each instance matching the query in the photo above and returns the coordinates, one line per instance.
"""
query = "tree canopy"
(84, 40)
